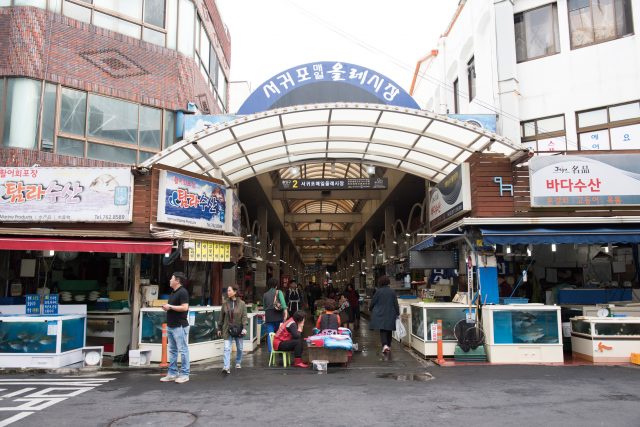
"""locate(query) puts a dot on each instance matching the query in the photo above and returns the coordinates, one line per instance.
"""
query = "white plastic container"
(320, 365)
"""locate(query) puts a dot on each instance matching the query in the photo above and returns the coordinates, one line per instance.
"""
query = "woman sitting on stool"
(289, 338)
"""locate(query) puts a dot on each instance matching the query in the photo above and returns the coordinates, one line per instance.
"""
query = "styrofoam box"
(139, 357)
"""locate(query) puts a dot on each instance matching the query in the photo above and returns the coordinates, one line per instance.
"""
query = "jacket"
(239, 316)
(270, 314)
(384, 309)
(286, 332)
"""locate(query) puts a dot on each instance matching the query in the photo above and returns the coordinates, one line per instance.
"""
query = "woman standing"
(233, 326)
(384, 311)
(275, 307)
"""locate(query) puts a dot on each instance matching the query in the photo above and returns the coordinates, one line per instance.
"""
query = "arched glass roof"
(418, 142)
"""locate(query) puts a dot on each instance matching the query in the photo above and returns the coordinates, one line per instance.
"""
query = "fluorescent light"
(395, 243)
(508, 249)
(553, 247)
(529, 250)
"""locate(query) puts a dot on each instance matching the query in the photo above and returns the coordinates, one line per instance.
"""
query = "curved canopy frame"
(418, 142)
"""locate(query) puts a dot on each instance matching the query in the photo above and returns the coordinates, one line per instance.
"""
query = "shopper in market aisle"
(178, 329)
(294, 297)
(384, 312)
(354, 301)
(289, 338)
(272, 315)
(232, 327)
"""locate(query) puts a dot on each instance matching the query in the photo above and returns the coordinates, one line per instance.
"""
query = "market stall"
(605, 339)
(109, 329)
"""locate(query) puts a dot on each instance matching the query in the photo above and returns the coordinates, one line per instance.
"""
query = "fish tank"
(203, 321)
(523, 333)
(423, 315)
(605, 339)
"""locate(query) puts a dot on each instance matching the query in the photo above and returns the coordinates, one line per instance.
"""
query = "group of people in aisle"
(284, 319)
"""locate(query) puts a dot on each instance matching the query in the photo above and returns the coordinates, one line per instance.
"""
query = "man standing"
(178, 329)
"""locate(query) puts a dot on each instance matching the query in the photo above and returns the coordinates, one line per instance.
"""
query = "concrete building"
(560, 75)
(103, 79)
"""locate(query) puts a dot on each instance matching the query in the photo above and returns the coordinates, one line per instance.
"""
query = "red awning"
(20, 243)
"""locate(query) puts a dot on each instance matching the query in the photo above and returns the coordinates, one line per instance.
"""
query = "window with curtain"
(537, 33)
(21, 113)
(596, 21)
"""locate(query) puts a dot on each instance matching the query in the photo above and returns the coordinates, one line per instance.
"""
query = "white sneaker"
(238, 366)
(226, 371)
(182, 379)
(168, 378)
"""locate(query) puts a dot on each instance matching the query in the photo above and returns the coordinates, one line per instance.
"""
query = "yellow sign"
(210, 250)
(198, 250)
(227, 252)
(205, 251)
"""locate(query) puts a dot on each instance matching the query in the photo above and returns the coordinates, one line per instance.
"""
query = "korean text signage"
(334, 184)
(599, 180)
(204, 251)
(32, 304)
(66, 194)
(50, 304)
(380, 87)
(451, 197)
(190, 201)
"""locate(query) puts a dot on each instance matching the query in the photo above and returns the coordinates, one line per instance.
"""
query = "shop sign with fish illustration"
(190, 201)
(41, 194)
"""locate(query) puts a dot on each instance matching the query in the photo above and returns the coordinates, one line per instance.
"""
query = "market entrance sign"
(334, 184)
(66, 194)
(582, 181)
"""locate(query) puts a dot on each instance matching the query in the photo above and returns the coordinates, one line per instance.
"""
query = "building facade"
(560, 75)
(103, 79)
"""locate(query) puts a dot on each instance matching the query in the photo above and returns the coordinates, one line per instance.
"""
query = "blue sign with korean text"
(318, 82)
(50, 305)
(32, 304)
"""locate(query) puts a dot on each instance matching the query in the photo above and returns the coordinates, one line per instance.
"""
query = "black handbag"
(234, 330)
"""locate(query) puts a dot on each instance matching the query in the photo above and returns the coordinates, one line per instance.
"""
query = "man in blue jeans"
(273, 317)
(178, 329)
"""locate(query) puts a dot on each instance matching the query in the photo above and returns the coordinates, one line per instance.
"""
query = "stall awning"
(559, 235)
(85, 245)
(437, 239)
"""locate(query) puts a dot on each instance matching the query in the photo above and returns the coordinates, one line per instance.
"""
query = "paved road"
(388, 395)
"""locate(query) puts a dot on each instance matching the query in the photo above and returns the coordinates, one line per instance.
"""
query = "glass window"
(70, 147)
(113, 119)
(456, 90)
(5, 3)
(471, 77)
(115, 24)
(172, 23)
(144, 155)
(537, 33)
(198, 31)
(75, 11)
(598, 140)
(592, 118)
(625, 112)
(37, 3)
(213, 65)
(186, 26)
(152, 36)
(169, 128)
(552, 124)
(222, 89)
(21, 113)
(55, 5)
(154, 12)
(150, 125)
(595, 21)
(111, 153)
(132, 8)
(73, 110)
(625, 137)
(204, 49)
(48, 116)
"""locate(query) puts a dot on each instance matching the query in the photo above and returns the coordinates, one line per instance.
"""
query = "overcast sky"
(388, 36)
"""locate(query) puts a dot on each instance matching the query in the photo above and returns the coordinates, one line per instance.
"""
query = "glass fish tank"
(41, 334)
(203, 321)
(525, 327)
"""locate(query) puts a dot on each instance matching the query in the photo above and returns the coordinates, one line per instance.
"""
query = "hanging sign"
(581, 181)
(334, 184)
(205, 251)
(190, 201)
(451, 197)
(66, 194)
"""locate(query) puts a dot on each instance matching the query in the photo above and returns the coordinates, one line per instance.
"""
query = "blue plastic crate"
(514, 300)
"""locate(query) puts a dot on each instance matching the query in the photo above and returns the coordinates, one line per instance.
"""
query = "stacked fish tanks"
(523, 333)
(41, 341)
(204, 342)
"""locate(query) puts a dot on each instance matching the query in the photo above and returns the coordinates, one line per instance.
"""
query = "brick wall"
(43, 45)
(20, 157)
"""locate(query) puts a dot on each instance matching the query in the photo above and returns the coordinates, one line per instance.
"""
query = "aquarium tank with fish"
(203, 329)
(525, 326)
(40, 333)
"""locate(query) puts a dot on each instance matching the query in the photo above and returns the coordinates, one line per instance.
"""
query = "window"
(544, 134)
(596, 21)
(186, 25)
(131, 8)
(154, 12)
(73, 109)
(70, 147)
(471, 78)
(115, 24)
(113, 120)
(111, 153)
(169, 128)
(537, 33)
(21, 113)
(48, 118)
(456, 90)
(610, 128)
(150, 127)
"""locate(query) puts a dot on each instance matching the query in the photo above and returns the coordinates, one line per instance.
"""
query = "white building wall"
(572, 80)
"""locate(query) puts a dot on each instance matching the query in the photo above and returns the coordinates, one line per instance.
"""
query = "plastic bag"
(400, 330)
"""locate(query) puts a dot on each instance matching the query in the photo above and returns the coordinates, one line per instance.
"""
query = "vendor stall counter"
(109, 329)
(204, 342)
(423, 315)
(523, 333)
(605, 339)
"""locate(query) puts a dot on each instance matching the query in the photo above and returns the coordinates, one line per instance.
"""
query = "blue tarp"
(559, 235)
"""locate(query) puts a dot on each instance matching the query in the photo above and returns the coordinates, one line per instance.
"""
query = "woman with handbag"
(232, 327)
(275, 307)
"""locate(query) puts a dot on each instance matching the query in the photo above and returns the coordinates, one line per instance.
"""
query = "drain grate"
(407, 377)
(175, 418)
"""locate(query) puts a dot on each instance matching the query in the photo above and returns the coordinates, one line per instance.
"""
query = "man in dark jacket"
(384, 310)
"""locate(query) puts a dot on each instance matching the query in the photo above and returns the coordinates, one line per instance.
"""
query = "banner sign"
(235, 213)
(205, 251)
(451, 197)
(334, 184)
(189, 201)
(66, 194)
(195, 123)
(380, 88)
(483, 121)
(598, 180)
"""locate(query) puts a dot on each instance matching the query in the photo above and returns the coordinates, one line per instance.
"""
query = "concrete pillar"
(389, 222)
(275, 250)
(261, 266)
(137, 300)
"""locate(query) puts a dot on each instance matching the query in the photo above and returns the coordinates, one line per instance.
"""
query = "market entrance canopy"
(559, 235)
(417, 142)
(86, 245)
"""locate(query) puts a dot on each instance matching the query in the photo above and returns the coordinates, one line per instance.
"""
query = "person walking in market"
(354, 301)
(384, 310)
(294, 297)
(275, 307)
(177, 310)
(232, 327)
